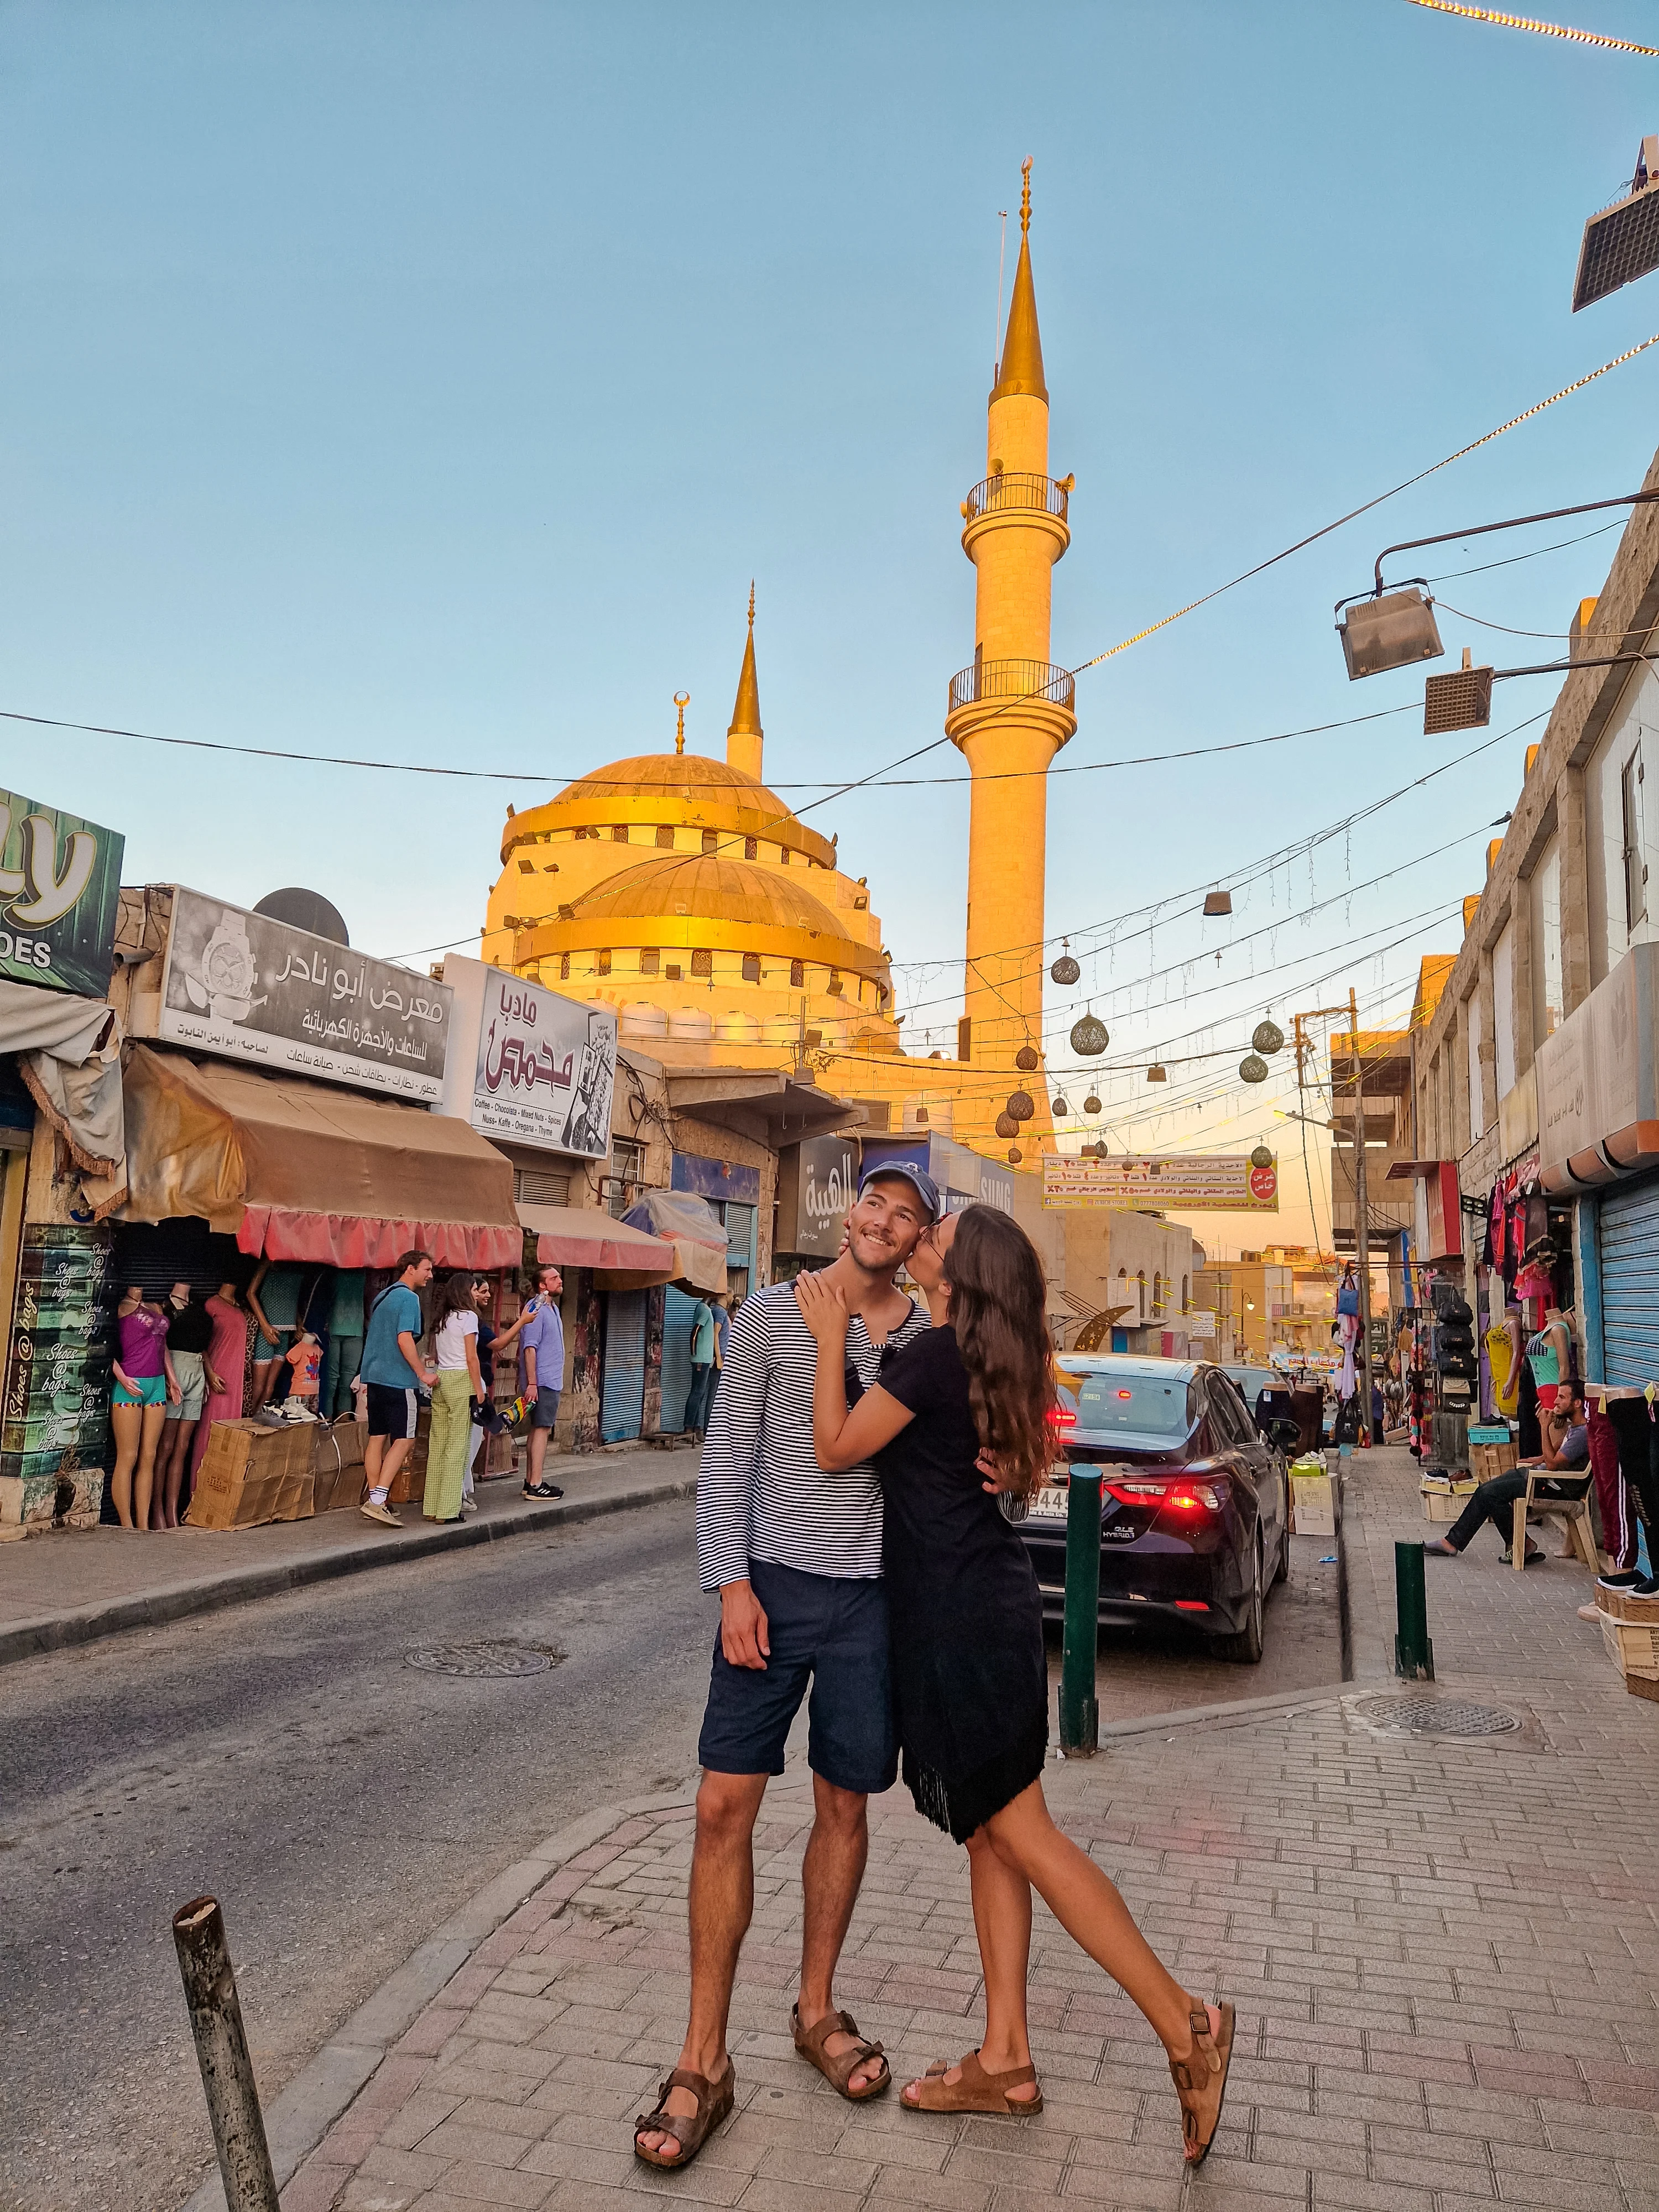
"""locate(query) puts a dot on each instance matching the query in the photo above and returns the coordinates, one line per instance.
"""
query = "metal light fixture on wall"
(1090, 1038)
(1267, 1037)
(1253, 1068)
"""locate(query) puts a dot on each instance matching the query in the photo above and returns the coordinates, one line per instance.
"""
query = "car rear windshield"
(1147, 1405)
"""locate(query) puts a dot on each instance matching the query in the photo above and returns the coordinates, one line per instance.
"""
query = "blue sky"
(428, 382)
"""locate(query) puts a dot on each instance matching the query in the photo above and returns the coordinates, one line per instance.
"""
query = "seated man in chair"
(1566, 1457)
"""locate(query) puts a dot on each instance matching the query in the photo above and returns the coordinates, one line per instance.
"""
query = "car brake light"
(1126, 1396)
(1189, 1497)
(1063, 1417)
(1190, 1605)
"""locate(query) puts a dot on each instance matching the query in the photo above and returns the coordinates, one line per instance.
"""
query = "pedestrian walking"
(541, 1375)
(704, 1338)
(970, 1670)
(392, 1371)
(494, 1343)
(458, 1386)
(796, 1557)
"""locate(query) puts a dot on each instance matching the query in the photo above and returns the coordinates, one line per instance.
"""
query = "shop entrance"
(621, 1398)
(1627, 1237)
(677, 1309)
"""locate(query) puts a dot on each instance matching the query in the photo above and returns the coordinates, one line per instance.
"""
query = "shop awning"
(694, 1230)
(760, 1102)
(570, 1237)
(299, 1171)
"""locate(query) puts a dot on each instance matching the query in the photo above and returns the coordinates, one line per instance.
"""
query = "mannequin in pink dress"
(226, 1360)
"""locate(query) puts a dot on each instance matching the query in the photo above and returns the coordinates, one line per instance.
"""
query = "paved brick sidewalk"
(1445, 1954)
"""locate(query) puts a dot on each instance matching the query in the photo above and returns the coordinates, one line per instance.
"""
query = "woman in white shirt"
(455, 1351)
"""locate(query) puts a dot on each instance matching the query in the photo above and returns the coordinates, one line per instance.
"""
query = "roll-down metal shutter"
(677, 1313)
(622, 1401)
(1627, 1236)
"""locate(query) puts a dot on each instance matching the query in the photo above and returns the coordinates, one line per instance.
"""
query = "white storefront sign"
(528, 1064)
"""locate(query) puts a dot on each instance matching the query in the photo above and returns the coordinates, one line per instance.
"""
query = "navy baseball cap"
(923, 1184)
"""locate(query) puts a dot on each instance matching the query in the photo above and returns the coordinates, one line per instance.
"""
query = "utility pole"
(1362, 1221)
(1304, 1046)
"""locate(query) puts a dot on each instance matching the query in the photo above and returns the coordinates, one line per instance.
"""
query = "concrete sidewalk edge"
(27, 1639)
(298, 2118)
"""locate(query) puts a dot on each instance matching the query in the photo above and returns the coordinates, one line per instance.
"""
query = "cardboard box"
(1625, 1605)
(1632, 1650)
(1313, 1505)
(1639, 1687)
(251, 1475)
(1487, 1461)
(1445, 1497)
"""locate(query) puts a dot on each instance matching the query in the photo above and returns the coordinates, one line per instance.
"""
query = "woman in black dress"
(971, 1398)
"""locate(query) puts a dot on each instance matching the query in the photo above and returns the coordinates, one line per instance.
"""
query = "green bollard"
(1079, 1714)
(1413, 1653)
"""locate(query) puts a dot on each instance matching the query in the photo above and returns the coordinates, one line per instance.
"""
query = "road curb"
(300, 2115)
(27, 1639)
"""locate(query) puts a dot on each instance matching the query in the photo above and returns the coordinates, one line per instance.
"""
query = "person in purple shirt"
(541, 1375)
(144, 1386)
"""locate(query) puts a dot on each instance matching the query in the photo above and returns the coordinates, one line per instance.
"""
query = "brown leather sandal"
(977, 2092)
(1200, 2081)
(839, 2070)
(689, 2129)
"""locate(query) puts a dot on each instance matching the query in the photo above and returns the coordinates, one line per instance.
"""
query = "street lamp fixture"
(1622, 240)
(1384, 633)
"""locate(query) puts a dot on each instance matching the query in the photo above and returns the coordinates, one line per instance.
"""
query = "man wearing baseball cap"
(796, 1557)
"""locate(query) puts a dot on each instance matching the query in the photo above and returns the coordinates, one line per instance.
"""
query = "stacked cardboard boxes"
(250, 1474)
(1629, 1630)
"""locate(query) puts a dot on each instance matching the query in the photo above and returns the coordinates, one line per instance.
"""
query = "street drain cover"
(495, 1656)
(1420, 1715)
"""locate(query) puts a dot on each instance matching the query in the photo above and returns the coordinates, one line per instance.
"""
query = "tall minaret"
(745, 736)
(1011, 711)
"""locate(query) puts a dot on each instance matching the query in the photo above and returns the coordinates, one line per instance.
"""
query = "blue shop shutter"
(740, 1232)
(1627, 1236)
(677, 1313)
(622, 1403)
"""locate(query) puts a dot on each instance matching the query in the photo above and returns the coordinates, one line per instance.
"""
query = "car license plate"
(1050, 1503)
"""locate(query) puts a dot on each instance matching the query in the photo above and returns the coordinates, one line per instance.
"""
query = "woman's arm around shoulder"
(841, 1439)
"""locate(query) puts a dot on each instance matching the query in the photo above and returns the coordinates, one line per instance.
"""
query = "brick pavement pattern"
(1444, 1956)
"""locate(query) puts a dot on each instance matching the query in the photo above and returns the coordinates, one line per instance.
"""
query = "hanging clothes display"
(1347, 1382)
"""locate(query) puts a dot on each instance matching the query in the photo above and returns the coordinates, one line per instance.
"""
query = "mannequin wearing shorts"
(190, 1335)
(143, 1384)
(274, 1295)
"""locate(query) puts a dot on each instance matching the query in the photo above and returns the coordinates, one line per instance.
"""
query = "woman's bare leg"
(1088, 1906)
(1002, 1919)
(143, 1487)
(176, 1446)
(128, 1422)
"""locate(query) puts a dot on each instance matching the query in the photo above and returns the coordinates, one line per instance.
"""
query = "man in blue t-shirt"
(392, 1369)
(541, 1375)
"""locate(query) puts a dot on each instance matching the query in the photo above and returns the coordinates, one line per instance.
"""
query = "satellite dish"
(303, 909)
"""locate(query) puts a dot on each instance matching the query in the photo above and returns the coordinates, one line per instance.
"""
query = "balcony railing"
(1012, 679)
(1038, 494)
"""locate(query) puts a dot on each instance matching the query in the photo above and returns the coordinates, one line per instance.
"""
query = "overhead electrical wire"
(1530, 23)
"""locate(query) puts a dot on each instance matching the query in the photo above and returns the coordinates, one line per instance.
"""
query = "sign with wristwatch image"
(248, 988)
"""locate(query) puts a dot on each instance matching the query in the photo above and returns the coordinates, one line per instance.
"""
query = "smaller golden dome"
(704, 887)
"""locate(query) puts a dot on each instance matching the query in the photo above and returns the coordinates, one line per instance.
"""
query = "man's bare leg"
(722, 1904)
(830, 1874)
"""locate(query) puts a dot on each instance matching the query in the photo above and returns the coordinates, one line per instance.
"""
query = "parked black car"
(1195, 1517)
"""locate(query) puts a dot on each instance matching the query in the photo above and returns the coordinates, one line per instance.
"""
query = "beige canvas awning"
(571, 1237)
(300, 1170)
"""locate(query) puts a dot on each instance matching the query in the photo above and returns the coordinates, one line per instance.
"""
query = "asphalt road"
(339, 1801)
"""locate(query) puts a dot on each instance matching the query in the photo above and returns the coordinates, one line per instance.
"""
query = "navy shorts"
(834, 1634)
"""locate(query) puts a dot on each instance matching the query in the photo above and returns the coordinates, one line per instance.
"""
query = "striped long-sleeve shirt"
(761, 1493)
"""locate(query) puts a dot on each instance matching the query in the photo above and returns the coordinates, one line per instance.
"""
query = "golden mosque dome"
(674, 775)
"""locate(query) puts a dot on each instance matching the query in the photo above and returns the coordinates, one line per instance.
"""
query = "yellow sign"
(1179, 1182)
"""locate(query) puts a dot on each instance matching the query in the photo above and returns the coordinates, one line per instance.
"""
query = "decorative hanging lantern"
(1261, 1157)
(1021, 1105)
(1092, 1104)
(1156, 1073)
(1267, 1037)
(1090, 1038)
(1015, 1156)
(1217, 903)
(1253, 1068)
(1007, 1126)
(1066, 969)
(1027, 1058)
(1097, 1150)
(1057, 1106)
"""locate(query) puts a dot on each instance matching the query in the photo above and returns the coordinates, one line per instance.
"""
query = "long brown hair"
(999, 1309)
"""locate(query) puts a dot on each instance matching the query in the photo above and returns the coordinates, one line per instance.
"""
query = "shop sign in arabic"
(1223, 1182)
(254, 989)
(546, 1065)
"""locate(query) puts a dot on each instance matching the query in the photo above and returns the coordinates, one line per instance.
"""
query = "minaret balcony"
(1011, 692)
(1017, 500)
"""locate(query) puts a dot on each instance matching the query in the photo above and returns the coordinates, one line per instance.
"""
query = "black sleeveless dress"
(971, 1677)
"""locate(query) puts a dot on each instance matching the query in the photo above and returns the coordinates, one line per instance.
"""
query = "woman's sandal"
(977, 2092)
(689, 2129)
(840, 2069)
(1200, 2081)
